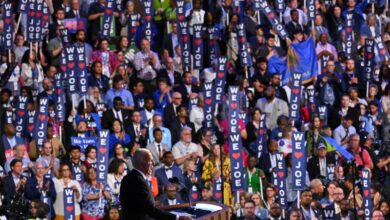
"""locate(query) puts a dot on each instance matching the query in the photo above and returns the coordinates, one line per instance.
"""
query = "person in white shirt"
(185, 148)
(302, 14)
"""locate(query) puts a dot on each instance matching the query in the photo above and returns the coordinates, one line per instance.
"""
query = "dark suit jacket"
(169, 115)
(9, 188)
(164, 199)
(5, 146)
(163, 73)
(313, 166)
(176, 130)
(137, 200)
(167, 44)
(32, 191)
(182, 89)
(334, 118)
(162, 178)
(265, 165)
(129, 129)
(71, 14)
(109, 117)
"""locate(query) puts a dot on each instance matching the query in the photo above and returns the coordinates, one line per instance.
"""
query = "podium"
(200, 210)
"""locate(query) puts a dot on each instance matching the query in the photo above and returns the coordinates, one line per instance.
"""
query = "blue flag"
(338, 147)
(302, 58)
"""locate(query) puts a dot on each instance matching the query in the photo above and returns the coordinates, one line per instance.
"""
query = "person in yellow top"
(212, 172)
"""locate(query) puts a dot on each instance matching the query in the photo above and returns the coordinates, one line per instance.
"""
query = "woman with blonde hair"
(214, 171)
(260, 211)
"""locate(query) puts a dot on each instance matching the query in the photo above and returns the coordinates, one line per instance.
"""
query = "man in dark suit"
(117, 112)
(171, 110)
(14, 182)
(179, 122)
(170, 196)
(345, 211)
(335, 116)
(171, 40)
(9, 141)
(168, 171)
(136, 130)
(59, 20)
(174, 78)
(317, 165)
(75, 11)
(187, 90)
(267, 161)
(293, 26)
(135, 195)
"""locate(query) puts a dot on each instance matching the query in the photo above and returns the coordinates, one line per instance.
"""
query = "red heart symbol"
(218, 195)
(148, 17)
(312, 106)
(323, 70)
(45, 17)
(184, 38)
(366, 192)
(236, 155)
(261, 132)
(295, 91)
(242, 40)
(63, 68)
(30, 127)
(221, 75)
(69, 208)
(133, 30)
(71, 65)
(102, 150)
(8, 20)
(349, 30)
(180, 17)
(81, 65)
(280, 174)
(369, 56)
(21, 113)
(31, 13)
(208, 101)
(58, 91)
(233, 105)
(39, 14)
(108, 11)
(198, 41)
(41, 117)
(194, 196)
(382, 52)
(298, 155)
(271, 15)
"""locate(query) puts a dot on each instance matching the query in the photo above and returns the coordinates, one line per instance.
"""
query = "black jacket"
(137, 200)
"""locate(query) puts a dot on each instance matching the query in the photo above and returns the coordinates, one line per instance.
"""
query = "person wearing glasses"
(63, 181)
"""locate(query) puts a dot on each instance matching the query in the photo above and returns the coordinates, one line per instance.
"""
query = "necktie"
(159, 148)
(136, 131)
(168, 168)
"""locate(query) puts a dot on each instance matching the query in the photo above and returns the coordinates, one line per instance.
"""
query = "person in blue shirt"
(117, 135)
(118, 90)
(163, 96)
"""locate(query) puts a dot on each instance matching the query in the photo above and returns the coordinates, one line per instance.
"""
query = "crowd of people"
(141, 91)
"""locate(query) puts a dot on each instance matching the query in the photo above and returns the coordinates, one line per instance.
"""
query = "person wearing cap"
(317, 165)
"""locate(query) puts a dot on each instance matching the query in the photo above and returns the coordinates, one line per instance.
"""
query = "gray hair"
(139, 157)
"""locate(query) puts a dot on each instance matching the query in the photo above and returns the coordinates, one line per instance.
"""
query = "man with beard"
(48, 91)
(250, 208)
(272, 106)
(345, 212)
(275, 212)
(306, 209)
(80, 39)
